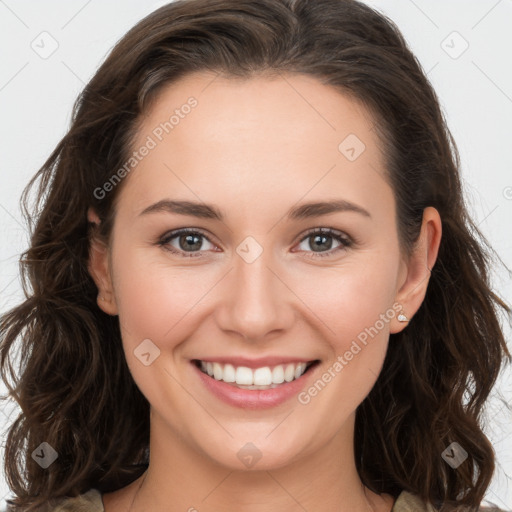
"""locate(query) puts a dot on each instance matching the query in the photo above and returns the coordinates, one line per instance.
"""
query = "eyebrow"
(206, 211)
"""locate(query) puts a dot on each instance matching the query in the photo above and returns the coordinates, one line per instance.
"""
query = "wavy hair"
(69, 374)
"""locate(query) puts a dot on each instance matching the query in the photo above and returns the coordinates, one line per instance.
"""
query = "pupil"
(321, 239)
(190, 242)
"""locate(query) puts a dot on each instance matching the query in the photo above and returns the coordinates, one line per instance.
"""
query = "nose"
(255, 300)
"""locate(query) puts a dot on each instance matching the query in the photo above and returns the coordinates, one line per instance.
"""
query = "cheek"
(353, 304)
(351, 299)
(354, 307)
(157, 302)
(155, 299)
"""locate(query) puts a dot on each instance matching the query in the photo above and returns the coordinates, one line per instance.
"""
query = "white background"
(475, 90)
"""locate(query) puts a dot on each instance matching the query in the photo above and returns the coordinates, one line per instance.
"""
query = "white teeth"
(289, 373)
(259, 378)
(229, 373)
(278, 374)
(217, 371)
(299, 370)
(243, 375)
(262, 376)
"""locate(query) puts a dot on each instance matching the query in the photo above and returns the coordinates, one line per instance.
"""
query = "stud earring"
(402, 318)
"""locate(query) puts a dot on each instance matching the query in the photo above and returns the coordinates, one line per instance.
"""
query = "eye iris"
(190, 242)
(320, 241)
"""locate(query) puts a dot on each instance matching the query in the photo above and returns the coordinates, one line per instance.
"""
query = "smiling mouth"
(266, 377)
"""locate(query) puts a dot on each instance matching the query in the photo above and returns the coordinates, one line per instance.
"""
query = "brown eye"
(324, 242)
(186, 241)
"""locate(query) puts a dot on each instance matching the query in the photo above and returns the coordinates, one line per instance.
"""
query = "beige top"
(91, 502)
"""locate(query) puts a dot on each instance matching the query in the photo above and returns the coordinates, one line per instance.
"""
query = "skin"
(254, 149)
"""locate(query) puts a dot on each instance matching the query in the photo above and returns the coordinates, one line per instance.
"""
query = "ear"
(416, 271)
(99, 268)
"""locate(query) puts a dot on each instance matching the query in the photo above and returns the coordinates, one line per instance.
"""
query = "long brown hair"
(70, 376)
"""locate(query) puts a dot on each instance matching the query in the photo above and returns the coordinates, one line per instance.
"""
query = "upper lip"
(256, 363)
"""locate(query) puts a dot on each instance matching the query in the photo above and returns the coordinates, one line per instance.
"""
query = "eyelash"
(345, 241)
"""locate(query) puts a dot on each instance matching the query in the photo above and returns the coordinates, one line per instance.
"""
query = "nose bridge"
(255, 302)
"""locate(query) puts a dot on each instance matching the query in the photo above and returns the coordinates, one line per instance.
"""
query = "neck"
(181, 478)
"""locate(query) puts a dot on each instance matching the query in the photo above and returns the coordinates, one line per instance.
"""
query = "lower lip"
(254, 398)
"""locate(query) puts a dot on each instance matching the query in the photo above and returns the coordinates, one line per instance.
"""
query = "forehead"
(287, 133)
(290, 105)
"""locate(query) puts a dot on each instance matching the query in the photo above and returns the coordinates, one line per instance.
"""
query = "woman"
(253, 280)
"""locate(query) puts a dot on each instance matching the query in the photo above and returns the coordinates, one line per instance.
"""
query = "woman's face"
(256, 284)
